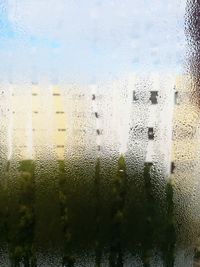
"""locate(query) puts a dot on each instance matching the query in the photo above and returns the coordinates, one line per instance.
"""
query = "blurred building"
(133, 115)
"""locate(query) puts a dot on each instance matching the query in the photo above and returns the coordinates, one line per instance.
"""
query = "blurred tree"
(170, 232)
(67, 257)
(119, 190)
(21, 237)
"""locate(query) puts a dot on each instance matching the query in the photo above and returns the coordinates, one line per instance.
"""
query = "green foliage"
(170, 233)
(119, 190)
(67, 256)
(97, 199)
(21, 232)
(75, 209)
(150, 222)
(197, 253)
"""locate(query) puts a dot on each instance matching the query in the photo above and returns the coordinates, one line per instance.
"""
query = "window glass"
(99, 133)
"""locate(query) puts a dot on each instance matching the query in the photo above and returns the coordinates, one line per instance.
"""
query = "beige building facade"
(52, 120)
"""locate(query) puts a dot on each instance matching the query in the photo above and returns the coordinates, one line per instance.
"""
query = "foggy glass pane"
(99, 133)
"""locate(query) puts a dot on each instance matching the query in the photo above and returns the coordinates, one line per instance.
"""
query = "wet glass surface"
(99, 133)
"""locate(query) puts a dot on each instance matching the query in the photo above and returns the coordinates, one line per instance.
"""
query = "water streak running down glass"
(99, 133)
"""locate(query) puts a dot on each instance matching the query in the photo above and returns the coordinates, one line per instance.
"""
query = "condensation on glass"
(99, 133)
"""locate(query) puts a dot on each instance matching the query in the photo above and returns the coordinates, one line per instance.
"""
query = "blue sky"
(90, 39)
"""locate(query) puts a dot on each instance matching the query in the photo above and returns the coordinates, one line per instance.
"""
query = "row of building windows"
(57, 146)
(154, 97)
(150, 132)
(59, 129)
(75, 114)
(36, 112)
(75, 131)
(98, 131)
(36, 94)
(54, 94)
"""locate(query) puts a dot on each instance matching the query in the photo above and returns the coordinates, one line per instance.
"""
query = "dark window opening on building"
(35, 112)
(60, 112)
(56, 94)
(172, 167)
(61, 129)
(176, 98)
(96, 114)
(150, 133)
(93, 97)
(60, 146)
(135, 97)
(34, 94)
(99, 132)
(154, 97)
